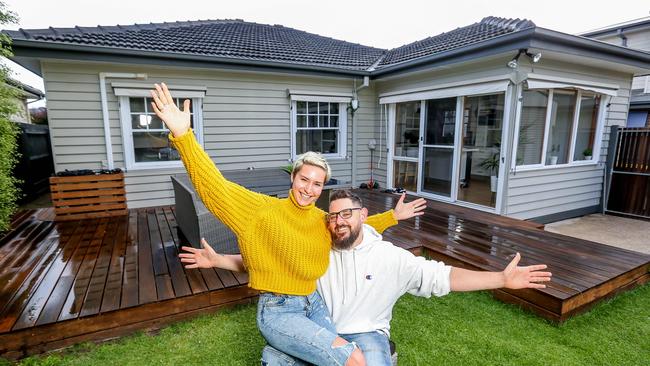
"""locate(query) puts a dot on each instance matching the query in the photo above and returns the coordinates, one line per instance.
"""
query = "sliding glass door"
(406, 146)
(480, 149)
(438, 147)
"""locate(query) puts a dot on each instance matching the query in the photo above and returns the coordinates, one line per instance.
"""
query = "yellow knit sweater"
(285, 247)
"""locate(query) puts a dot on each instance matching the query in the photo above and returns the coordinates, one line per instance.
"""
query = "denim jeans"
(299, 326)
(374, 345)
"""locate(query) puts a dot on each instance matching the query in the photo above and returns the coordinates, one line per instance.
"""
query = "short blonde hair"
(311, 158)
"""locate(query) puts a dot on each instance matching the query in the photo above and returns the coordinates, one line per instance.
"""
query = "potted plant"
(587, 153)
(492, 164)
(553, 156)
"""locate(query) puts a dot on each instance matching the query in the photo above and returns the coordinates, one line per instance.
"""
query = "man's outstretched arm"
(512, 277)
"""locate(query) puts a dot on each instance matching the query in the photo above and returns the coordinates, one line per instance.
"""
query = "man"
(366, 276)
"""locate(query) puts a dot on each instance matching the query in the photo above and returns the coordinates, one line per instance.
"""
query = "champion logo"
(368, 277)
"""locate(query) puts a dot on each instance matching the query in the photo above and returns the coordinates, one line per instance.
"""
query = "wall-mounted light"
(354, 104)
(534, 57)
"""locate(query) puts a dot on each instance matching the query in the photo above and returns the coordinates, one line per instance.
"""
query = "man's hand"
(405, 211)
(200, 258)
(515, 277)
(177, 121)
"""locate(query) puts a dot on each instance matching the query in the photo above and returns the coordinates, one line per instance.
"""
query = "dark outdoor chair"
(196, 222)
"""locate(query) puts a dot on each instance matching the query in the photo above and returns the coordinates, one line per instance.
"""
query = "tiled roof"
(223, 38)
(241, 40)
(487, 28)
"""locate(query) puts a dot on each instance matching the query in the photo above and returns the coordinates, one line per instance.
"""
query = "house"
(26, 95)
(500, 115)
(632, 34)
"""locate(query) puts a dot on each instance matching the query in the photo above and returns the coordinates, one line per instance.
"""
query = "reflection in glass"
(405, 175)
(559, 137)
(407, 129)
(153, 146)
(440, 123)
(587, 121)
(531, 127)
(480, 149)
(437, 171)
(323, 141)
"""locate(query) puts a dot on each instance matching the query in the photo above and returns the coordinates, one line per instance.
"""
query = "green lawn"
(459, 329)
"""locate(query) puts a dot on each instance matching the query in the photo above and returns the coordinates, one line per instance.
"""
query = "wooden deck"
(63, 283)
(66, 282)
(584, 272)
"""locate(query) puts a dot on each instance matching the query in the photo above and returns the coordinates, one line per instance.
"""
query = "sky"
(379, 23)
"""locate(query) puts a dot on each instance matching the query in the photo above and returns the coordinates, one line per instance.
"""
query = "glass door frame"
(455, 154)
(503, 169)
(390, 174)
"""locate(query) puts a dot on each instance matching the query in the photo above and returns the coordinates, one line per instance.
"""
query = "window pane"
(334, 108)
(559, 136)
(587, 121)
(140, 121)
(156, 123)
(316, 140)
(136, 104)
(405, 175)
(312, 107)
(438, 164)
(440, 124)
(153, 146)
(301, 107)
(323, 108)
(302, 121)
(407, 129)
(531, 127)
(322, 121)
(313, 121)
(334, 121)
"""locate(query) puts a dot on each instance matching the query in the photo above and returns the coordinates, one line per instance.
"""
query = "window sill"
(175, 165)
(528, 168)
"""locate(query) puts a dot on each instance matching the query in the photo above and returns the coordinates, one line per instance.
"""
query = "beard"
(342, 242)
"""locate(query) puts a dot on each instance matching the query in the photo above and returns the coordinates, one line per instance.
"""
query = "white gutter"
(102, 92)
(366, 83)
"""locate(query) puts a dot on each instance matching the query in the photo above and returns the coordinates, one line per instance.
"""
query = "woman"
(284, 243)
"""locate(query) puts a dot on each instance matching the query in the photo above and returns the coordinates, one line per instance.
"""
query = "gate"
(628, 172)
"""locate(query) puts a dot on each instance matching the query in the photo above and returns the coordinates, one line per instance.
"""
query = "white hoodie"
(362, 284)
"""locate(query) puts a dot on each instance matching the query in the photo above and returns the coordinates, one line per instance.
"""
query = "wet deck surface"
(66, 282)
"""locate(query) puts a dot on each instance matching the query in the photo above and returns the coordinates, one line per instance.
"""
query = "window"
(557, 126)
(320, 126)
(145, 137)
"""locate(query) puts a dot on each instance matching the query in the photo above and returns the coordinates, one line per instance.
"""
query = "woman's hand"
(177, 121)
(200, 258)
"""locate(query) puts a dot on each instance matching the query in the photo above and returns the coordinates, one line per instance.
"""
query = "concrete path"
(611, 230)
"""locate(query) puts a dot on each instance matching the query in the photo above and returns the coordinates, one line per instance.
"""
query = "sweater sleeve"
(230, 202)
(382, 221)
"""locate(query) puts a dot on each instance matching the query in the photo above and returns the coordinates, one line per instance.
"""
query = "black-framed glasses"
(344, 214)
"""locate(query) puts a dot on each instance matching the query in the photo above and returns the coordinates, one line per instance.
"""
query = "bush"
(8, 130)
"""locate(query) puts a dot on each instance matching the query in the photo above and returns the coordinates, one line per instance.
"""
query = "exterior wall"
(246, 121)
(547, 191)
(554, 190)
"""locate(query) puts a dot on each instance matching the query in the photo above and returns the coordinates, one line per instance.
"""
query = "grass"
(458, 329)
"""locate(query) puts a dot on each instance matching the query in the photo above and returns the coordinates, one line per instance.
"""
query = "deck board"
(67, 282)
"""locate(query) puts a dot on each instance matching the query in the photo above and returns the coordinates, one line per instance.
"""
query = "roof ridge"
(515, 24)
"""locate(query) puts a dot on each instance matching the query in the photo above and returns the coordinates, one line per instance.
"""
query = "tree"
(9, 192)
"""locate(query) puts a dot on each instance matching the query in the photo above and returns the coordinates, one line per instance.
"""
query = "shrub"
(8, 130)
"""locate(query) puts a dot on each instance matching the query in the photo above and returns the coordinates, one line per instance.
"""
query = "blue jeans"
(299, 326)
(374, 345)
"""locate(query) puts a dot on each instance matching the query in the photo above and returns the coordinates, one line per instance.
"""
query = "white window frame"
(127, 131)
(342, 136)
(604, 100)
